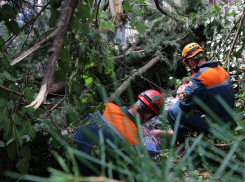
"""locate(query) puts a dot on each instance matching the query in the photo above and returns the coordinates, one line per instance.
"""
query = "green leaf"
(4, 114)
(38, 112)
(1, 41)
(88, 80)
(81, 49)
(99, 66)
(55, 3)
(103, 15)
(136, 9)
(85, 10)
(85, 28)
(31, 132)
(29, 94)
(79, 12)
(216, 8)
(133, 21)
(8, 12)
(2, 144)
(25, 152)
(59, 75)
(232, 13)
(126, 6)
(23, 166)
(9, 141)
(71, 118)
(26, 138)
(190, 114)
(64, 66)
(18, 137)
(76, 87)
(3, 102)
(238, 128)
(6, 62)
(1, 82)
(12, 150)
(144, 9)
(28, 109)
(93, 152)
(97, 152)
(102, 108)
(107, 25)
(194, 20)
(73, 24)
(140, 26)
(193, 14)
(79, 105)
(8, 76)
(54, 17)
(65, 55)
(12, 26)
(17, 119)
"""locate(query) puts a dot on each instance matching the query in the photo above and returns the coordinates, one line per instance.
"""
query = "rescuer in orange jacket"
(207, 81)
(116, 124)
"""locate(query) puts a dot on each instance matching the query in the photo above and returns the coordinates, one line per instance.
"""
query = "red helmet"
(153, 99)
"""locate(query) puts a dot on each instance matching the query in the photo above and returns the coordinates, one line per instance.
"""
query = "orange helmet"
(153, 99)
(190, 51)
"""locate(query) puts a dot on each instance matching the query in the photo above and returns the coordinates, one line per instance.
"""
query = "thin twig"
(52, 119)
(226, 144)
(17, 105)
(226, 39)
(53, 108)
(162, 11)
(153, 83)
(11, 91)
(96, 18)
(22, 28)
(234, 41)
(238, 80)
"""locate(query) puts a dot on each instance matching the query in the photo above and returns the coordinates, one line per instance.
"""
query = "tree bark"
(126, 83)
(11, 91)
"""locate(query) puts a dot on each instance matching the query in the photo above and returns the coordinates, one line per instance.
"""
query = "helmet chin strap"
(196, 67)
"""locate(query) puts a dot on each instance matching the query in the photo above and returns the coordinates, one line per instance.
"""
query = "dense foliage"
(31, 140)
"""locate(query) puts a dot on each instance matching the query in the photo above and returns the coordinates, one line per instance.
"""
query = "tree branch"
(22, 28)
(125, 84)
(162, 11)
(225, 144)
(57, 38)
(226, 39)
(234, 42)
(11, 91)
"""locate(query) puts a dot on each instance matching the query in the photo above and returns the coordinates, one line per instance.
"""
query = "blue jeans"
(196, 122)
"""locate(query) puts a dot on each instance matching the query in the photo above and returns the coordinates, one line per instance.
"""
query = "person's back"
(207, 82)
(216, 82)
(116, 125)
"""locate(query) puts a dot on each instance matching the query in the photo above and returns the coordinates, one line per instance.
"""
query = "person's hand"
(157, 133)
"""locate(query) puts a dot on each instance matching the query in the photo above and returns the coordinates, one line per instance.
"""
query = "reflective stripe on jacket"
(208, 82)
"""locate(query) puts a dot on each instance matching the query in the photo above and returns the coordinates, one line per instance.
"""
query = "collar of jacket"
(130, 116)
(212, 64)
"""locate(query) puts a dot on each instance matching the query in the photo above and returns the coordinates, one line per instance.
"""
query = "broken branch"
(57, 37)
(162, 11)
(125, 84)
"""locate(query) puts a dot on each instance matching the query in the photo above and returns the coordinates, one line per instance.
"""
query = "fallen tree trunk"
(57, 38)
(126, 83)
